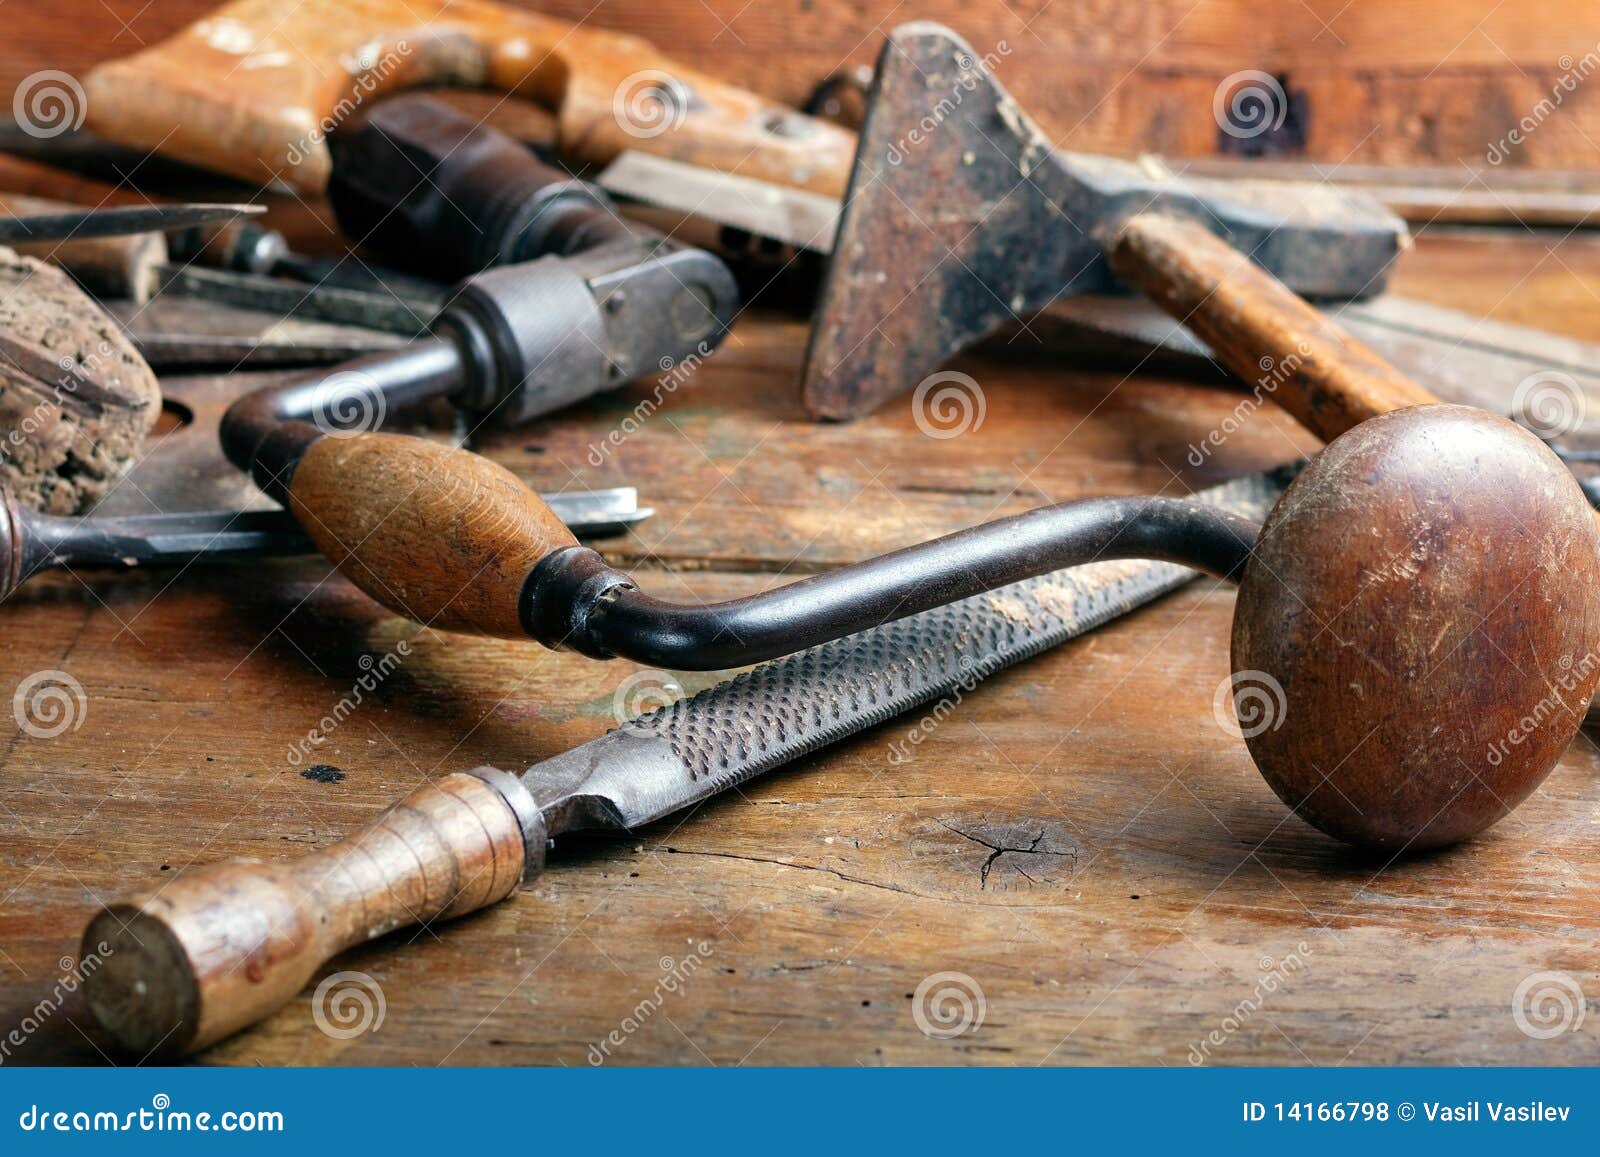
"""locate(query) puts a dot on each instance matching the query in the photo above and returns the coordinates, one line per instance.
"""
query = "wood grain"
(1427, 81)
(439, 534)
(1291, 353)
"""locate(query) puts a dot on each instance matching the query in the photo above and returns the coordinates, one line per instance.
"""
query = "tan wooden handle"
(1260, 328)
(443, 536)
(223, 946)
(252, 89)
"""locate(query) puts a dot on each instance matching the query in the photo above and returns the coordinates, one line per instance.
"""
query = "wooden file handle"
(1261, 329)
(443, 536)
(225, 945)
(253, 88)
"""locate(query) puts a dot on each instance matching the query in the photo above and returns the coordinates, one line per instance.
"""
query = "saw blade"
(773, 714)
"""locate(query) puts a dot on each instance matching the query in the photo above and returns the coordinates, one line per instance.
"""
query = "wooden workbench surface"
(1080, 837)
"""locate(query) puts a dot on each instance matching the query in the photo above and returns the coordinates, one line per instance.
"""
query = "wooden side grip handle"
(254, 87)
(1260, 328)
(223, 946)
(443, 536)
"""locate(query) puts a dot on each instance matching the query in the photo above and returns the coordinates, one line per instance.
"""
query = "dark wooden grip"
(1258, 327)
(443, 536)
(223, 946)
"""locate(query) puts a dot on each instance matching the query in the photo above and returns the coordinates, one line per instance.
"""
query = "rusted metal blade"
(961, 217)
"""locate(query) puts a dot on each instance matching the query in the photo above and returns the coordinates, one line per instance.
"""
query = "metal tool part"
(950, 232)
(179, 334)
(797, 217)
(479, 831)
(31, 542)
(574, 600)
(116, 221)
(385, 310)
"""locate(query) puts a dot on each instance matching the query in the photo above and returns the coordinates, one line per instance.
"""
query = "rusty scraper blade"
(961, 217)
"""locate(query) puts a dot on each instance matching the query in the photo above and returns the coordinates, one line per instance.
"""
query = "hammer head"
(961, 217)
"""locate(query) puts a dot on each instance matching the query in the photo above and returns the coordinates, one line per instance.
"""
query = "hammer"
(254, 88)
(961, 217)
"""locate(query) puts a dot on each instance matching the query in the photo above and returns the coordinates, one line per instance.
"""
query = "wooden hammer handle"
(223, 946)
(443, 536)
(1262, 330)
(254, 87)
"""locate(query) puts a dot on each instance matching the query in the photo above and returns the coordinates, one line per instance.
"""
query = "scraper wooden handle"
(253, 88)
(1264, 332)
(222, 946)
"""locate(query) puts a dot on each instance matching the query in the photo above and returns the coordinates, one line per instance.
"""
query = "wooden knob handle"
(1260, 328)
(221, 947)
(441, 535)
